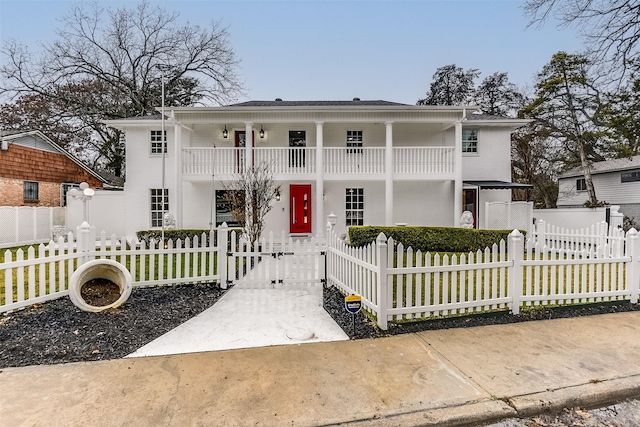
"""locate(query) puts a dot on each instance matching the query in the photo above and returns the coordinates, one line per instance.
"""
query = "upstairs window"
(469, 140)
(354, 141)
(631, 176)
(156, 141)
(581, 184)
(30, 191)
(354, 212)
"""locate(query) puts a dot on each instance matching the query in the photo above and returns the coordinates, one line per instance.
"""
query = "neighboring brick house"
(35, 171)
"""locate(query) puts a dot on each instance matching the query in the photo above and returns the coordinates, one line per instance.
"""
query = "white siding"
(493, 160)
(608, 187)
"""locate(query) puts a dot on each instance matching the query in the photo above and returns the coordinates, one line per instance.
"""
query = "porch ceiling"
(498, 185)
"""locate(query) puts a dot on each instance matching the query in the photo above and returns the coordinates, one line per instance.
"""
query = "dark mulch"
(365, 328)
(59, 332)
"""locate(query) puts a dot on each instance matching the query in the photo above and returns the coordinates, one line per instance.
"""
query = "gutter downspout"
(457, 172)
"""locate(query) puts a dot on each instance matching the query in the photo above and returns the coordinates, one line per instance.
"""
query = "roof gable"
(37, 140)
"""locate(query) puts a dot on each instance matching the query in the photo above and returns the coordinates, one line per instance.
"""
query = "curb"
(591, 395)
(451, 416)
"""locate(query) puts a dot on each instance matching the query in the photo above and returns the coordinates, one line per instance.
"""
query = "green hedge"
(182, 234)
(147, 235)
(434, 239)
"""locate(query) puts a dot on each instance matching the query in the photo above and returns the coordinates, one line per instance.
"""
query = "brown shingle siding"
(50, 170)
(24, 163)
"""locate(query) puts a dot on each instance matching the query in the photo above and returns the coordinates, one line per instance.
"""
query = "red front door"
(300, 208)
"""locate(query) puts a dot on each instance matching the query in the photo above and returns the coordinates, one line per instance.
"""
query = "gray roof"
(606, 166)
(486, 117)
(279, 103)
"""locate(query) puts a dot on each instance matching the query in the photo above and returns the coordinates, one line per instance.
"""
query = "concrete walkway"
(447, 377)
(257, 315)
(252, 317)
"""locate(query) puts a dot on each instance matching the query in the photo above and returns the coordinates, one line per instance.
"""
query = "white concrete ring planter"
(99, 269)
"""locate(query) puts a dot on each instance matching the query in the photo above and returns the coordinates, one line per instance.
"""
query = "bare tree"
(611, 28)
(250, 195)
(105, 64)
(498, 97)
(451, 85)
(567, 109)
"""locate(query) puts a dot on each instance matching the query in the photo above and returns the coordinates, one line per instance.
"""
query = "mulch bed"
(365, 328)
(59, 332)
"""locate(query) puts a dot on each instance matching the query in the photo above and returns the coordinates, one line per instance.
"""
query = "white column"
(388, 168)
(177, 193)
(457, 186)
(319, 210)
(248, 153)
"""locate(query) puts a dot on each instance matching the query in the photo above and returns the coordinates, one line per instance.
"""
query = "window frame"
(154, 142)
(154, 201)
(630, 176)
(26, 184)
(581, 185)
(64, 189)
(223, 209)
(354, 209)
(470, 146)
(354, 145)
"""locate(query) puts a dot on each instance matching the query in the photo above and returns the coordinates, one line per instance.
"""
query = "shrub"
(148, 235)
(434, 239)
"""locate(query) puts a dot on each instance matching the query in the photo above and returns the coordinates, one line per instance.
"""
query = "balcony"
(339, 163)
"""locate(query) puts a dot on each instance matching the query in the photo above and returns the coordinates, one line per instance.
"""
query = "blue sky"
(337, 50)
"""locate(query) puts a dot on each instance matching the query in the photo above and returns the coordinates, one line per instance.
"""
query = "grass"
(438, 291)
(150, 269)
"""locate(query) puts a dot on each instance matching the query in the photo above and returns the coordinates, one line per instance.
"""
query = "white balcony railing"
(353, 161)
(425, 161)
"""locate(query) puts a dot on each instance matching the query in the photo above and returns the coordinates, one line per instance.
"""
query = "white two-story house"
(368, 162)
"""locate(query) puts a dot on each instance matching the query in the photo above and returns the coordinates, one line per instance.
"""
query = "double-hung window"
(157, 141)
(354, 212)
(469, 140)
(30, 191)
(159, 205)
(581, 184)
(354, 141)
(630, 176)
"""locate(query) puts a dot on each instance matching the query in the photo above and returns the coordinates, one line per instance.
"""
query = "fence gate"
(275, 264)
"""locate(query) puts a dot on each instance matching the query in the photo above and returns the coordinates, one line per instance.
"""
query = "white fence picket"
(394, 282)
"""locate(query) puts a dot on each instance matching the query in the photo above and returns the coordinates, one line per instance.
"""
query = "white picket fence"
(400, 285)
(42, 273)
(275, 261)
(587, 238)
(396, 284)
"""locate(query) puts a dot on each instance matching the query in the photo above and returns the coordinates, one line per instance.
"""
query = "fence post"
(541, 232)
(516, 255)
(223, 259)
(603, 233)
(84, 242)
(383, 303)
(633, 269)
